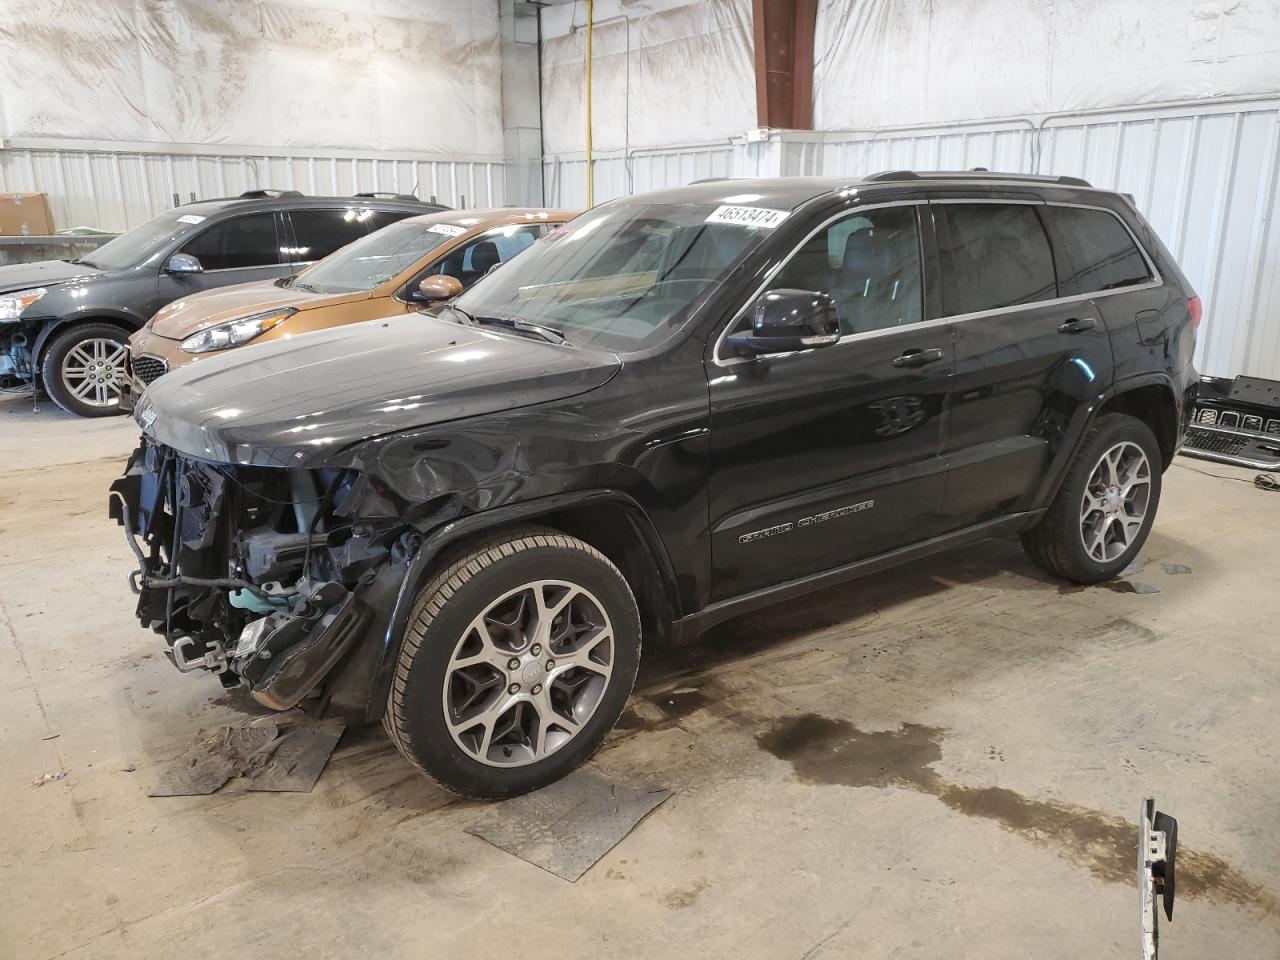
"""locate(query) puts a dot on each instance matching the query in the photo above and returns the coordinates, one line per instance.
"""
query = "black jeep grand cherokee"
(677, 408)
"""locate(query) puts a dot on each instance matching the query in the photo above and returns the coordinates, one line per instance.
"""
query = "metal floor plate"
(565, 828)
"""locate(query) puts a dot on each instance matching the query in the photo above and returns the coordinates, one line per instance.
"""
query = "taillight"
(1193, 305)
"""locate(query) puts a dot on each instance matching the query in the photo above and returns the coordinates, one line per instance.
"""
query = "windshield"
(621, 277)
(376, 258)
(138, 245)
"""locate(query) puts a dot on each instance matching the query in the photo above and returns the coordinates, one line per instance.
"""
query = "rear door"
(828, 456)
(1028, 360)
(236, 249)
(319, 231)
(1098, 257)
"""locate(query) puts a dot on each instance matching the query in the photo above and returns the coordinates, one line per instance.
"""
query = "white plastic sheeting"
(890, 62)
(689, 76)
(368, 75)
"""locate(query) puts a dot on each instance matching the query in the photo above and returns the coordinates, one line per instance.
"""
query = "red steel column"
(783, 31)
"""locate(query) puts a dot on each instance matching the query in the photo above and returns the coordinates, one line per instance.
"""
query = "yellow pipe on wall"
(590, 169)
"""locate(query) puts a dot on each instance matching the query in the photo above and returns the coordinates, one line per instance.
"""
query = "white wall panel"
(565, 183)
(115, 190)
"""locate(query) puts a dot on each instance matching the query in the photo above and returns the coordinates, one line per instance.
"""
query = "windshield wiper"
(549, 334)
(83, 263)
(303, 286)
(466, 317)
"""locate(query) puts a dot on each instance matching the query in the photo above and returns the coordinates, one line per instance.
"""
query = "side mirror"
(183, 263)
(438, 286)
(785, 321)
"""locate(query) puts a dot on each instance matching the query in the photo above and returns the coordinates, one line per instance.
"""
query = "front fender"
(53, 325)
(449, 534)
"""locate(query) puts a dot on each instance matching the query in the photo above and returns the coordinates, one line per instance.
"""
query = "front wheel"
(518, 660)
(83, 368)
(1104, 510)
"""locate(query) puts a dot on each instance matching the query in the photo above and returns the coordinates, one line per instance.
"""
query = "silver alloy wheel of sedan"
(1115, 501)
(528, 673)
(93, 370)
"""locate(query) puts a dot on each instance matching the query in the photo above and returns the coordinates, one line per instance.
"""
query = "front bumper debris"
(232, 589)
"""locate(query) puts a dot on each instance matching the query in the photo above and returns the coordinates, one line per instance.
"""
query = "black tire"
(415, 717)
(1057, 543)
(55, 354)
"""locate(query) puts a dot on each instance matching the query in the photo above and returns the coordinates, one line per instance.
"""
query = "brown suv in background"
(396, 269)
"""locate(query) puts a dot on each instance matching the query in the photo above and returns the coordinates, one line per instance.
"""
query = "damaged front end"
(264, 576)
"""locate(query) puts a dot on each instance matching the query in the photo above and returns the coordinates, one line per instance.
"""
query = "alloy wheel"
(93, 371)
(528, 673)
(1115, 502)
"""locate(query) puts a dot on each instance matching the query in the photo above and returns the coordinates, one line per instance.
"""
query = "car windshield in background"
(621, 277)
(138, 245)
(376, 258)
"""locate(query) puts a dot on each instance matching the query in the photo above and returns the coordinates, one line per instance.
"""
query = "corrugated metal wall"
(565, 183)
(118, 189)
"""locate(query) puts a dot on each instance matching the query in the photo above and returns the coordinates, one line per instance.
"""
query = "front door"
(827, 456)
(239, 249)
(1028, 359)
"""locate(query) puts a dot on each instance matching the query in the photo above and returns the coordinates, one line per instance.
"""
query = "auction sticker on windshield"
(190, 218)
(448, 229)
(748, 216)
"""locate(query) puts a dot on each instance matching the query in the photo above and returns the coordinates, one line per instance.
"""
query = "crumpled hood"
(42, 273)
(295, 402)
(187, 315)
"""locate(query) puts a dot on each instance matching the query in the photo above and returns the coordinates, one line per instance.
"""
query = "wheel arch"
(609, 520)
(1155, 403)
(56, 325)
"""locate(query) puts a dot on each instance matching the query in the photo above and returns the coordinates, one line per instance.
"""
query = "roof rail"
(976, 174)
(374, 194)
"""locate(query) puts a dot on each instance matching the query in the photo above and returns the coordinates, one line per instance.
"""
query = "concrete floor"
(946, 758)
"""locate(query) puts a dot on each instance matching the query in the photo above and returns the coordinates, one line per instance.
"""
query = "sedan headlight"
(235, 332)
(12, 304)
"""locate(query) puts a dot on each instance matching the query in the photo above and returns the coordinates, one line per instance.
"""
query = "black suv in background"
(64, 324)
(673, 410)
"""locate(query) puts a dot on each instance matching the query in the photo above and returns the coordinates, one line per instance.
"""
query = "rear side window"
(993, 255)
(1094, 251)
(247, 241)
(318, 233)
(377, 219)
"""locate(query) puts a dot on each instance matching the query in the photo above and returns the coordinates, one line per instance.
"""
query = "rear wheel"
(518, 661)
(1104, 510)
(83, 368)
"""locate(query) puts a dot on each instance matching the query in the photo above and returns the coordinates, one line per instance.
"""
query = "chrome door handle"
(918, 358)
(1077, 325)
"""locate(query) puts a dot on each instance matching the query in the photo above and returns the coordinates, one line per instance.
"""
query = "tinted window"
(870, 264)
(380, 218)
(320, 232)
(1094, 251)
(473, 260)
(993, 255)
(247, 241)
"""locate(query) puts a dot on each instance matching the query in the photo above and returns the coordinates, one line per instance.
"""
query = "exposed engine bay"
(262, 575)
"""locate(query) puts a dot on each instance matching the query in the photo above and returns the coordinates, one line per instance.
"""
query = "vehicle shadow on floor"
(926, 584)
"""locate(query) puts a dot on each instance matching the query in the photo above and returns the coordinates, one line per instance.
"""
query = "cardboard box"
(25, 215)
